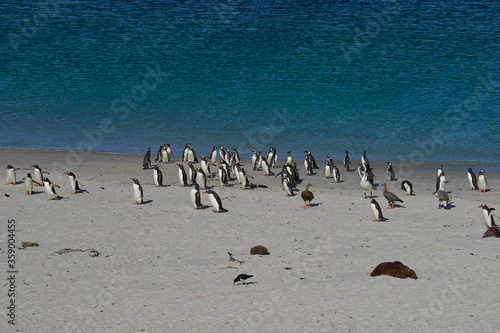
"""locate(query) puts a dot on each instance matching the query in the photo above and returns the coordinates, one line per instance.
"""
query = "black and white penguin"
(159, 157)
(271, 155)
(11, 175)
(138, 193)
(488, 216)
(227, 168)
(311, 157)
(73, 182)
(146, 162)
(205, 166)
(49, 189)
(191, 155)
(195, 197)
(289, 159)
(235, 157)
(38, 174)
(215, 201)
(440, 171)
(287, 186)
(244, 178)
(265, 166)
(223, 176)
(309, 163)
(222, 154)
(182, 175)
(200, 178)
(390, 172)
(347, 162)
(254, 159)
(28, 184)
(157, 176)
(328, 170)
(336, 174)
(407, 187)
(330, 160)
(192, 173)
(213, 155)
(472, 179)
(170, 154)
(482, 184)
(440, 183)
(377, 211)
(443, 198)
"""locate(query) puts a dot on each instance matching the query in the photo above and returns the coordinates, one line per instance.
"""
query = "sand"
(163, 267)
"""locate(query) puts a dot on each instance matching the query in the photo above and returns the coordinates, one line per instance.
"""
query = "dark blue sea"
(406, 81)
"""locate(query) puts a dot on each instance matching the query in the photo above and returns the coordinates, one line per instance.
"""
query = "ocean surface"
(407, 81)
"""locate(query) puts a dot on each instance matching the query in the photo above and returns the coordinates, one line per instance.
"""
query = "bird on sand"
(443, 198)
(307, 196)
(391, 197)
(242, 278)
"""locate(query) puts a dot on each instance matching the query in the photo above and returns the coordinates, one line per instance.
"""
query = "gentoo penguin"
(443, 198)
(205, 166)
(213, 155)
(309, 164)
(164, 156)
(440, 171)
(347, 162)
(488, 216)
(159, 154)
(226, 167)
(38, 174)
(182, 175)
(472, 179)
(289, 159)
(223, 176)
(242, 278)
(195, 196)
(192, 173)
(215, 201)
(271, 157)
(28, 184)
(287, 186)
(391, 197)
(138, 194)
(482, 184)
(377, 212)
(191, 155)
(170, 154)
(49, 188)
(146, 162)
(367, 185)
(158, 176)
(328, 170)
(440, 183)
(336, 174)
(407, 187)
(265, 166)
(235, 156)
(390, 172)
(244, 178)
(11, 175)
(254, 159)
(201, 179)
(222, 153)
(307, 196)
(73, 182)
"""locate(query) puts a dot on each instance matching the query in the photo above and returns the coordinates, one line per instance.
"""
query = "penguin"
(314, 165)
(191, 155)
(236, 172)
(38, 174)
(309, 165)
(307, 196)
(164, 157)
(377, 212)
(440, 183)
(391, 197)
(440, 171)
(244, 178)
(472, 179)
(200, 178)
(49, 188)
(336, 174)
(205, 166)
(265, 166)
(73, 182)
(227, 155)
(254, 160)
(222, 153)
(242, 278)
(443, 198)
(227, 168)
(482, 184)
(216, 202)
(270, 156)
(328, 171)
(407, 187)
(287, 187)
(170, 154)
(366, 185)
(159, 154)
(235, 156)
(195, 197)
(289, 159)
(28, 184)
(213, 155)
(330, 160)
(347, 162)
(192, 172)
(157, 176)
(182, 175)
(11, 175)
(138, 193)
(146, 162)
(390, 172)
(223, 176)
(488, 216)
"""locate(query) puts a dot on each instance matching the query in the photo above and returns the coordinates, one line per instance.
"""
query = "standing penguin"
(311, 157)
(488, 216)
(170, 154)
(73, 182)
(205, 166)
(213, 155)
(377, 212)
(390, 172)
(265, 166)
(215, 201)
(255, 158)
(440, 183)
(157, 176)
(309, 164)
(11, 175)
(472, 179)
(182, 175)
(38, 174)
(440, 171)
(195, 197)
(407, 187)
(146, 162)
(289, 159)
(49, 188)
(138, 194)
(200, 179)
(347, 162)
(336, 174)
(165, 158)
(28, 184)
(159, 153)
(482, 184)
(223, 176)
(328, 171)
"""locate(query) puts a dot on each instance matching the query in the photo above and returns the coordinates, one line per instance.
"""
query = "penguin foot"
(215, 211)
(375, 220)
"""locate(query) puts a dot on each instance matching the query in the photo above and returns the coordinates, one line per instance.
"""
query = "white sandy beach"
(163, 267)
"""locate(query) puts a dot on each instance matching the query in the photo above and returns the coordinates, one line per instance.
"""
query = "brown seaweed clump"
(395, 268)
(28, 244)
(259, 249)
(492, 232)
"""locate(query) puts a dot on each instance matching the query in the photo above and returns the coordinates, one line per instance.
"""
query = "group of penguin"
(39, 179)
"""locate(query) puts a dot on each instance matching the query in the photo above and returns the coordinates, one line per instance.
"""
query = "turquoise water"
(406, 81)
